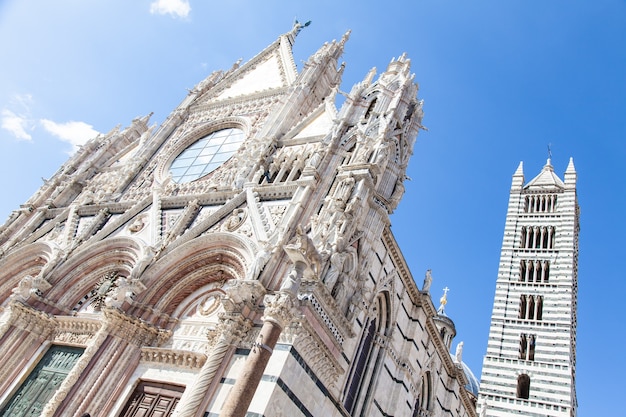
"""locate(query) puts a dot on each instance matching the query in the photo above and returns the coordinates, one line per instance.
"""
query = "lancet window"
(367, 359)
(527, 347)
(540, 203)
(537, 271)
(423, 404)
(531, 307)
(537, 237)
(523, 386)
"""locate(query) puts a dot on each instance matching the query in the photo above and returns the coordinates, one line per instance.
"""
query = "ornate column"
(278, 313)
(241, 300)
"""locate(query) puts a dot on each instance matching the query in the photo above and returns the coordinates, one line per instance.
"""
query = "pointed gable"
(317, 124)
(273, 68)
(546, 179)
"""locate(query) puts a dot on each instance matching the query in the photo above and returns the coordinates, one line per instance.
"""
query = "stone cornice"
(401, 266)
(76, 330)
(173, 357)
(26, 318)
(132, 329)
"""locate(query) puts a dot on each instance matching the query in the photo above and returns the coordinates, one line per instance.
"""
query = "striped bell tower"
(530, 365)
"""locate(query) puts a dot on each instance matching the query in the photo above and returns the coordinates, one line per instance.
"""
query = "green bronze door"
(42, 383)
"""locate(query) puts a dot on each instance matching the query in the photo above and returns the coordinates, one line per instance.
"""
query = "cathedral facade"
(236, 260)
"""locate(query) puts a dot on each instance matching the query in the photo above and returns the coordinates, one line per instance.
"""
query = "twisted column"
(231, 330)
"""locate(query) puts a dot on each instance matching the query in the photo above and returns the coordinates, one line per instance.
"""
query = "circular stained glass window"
(206, 154)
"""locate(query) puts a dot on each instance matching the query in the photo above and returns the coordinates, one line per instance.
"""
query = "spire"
(570, 175)
(518, 178)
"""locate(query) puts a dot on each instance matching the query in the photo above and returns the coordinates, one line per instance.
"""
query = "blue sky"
(501, 80)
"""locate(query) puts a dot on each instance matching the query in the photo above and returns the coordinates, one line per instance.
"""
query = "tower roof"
(546, 179)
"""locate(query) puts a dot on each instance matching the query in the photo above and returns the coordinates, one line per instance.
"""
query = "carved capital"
(241, 294)
(28, 319)
(231, 329)
(281, 309)
(133, 330)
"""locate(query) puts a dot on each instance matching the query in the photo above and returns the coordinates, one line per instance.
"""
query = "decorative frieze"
(174, 358)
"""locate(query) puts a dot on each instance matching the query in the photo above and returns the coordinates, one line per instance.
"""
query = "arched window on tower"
(523, 238)
(522, 307)
(523, 386)
(522, 271)
(539, 271)
(523, 346)
(527, 347)
(531, 307)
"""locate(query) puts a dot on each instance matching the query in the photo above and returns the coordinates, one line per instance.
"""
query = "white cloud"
(16, 124)
(175, 8)
(75, 133)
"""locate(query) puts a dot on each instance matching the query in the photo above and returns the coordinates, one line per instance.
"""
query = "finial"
(443, 300)
(549, 151)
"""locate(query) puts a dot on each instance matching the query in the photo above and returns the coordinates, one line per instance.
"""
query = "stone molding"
(75, 330)
(317, 355)
(132, 329)
(28, 319)
(171, 357)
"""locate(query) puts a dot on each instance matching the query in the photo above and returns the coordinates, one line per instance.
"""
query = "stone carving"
(176, 358)
(459, 352)
(240, 293)
(259, 263)
(142, 263)
(337, 260)
(124, 290)
(235, 220)
(28, 286)
(281, 308)
(428, 280)
(302, 249)
(138, 224)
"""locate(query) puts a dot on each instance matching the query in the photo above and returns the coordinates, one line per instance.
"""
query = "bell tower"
(530, 365)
